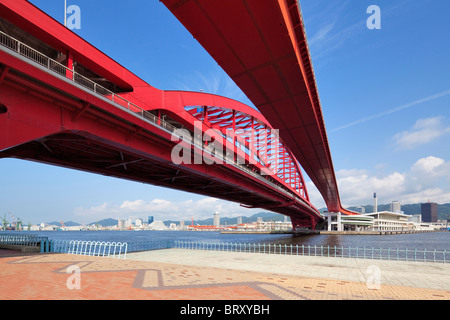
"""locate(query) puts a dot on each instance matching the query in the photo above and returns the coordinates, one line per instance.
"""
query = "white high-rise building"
(216, 219)
(396, 207)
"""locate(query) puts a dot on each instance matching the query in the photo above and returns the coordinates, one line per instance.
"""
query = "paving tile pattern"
(44, 277)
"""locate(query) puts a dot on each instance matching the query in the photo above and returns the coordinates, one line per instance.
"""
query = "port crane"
(18, 221)
(5, 222)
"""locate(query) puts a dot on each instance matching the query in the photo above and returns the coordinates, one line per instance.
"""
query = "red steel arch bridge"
(63, 102)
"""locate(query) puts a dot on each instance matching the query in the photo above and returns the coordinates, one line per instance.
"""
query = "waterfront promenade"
(175, 274)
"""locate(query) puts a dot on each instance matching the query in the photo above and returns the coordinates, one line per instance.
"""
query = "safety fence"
(120, 249)
(19, 239)
(106, 248)
(136, 246)
(90, 248)
(321, 251)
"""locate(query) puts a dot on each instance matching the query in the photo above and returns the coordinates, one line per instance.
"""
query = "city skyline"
(384, 94)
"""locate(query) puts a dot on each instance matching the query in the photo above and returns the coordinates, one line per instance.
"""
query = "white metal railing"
(90, 248)
(147, 245)
(52, 65)
(21, 239)
(398, 254)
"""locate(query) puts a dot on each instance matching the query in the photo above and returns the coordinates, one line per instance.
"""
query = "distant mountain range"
(224, 220)
(67, 223)
(105, 222)
(266, 216)
(410, 209)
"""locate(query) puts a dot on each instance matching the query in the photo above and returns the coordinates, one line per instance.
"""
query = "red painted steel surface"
(263, 48)
(47, 117)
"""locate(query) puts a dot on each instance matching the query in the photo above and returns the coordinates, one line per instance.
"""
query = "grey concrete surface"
(431, 275)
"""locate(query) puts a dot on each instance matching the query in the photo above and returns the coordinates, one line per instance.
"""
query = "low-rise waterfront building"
(390, 221)
(339, 222)
(380, 221)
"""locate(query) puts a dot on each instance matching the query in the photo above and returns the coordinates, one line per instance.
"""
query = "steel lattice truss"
(258, 140)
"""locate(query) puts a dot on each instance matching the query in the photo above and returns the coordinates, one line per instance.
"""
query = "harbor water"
(419, 241)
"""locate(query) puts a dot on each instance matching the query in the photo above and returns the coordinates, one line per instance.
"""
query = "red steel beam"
(262, 46)
(68, 107)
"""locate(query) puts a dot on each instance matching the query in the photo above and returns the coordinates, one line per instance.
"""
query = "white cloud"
(141, 205)
(163, 209)
(423, 131)
(428, 164)
(356, 186)
(427, 179)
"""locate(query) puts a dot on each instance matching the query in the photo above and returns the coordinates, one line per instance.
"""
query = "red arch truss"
(246, 134)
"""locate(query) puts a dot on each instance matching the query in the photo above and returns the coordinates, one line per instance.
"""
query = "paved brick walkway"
(45, 277)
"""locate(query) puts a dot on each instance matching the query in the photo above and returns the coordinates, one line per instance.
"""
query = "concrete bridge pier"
(338, 221)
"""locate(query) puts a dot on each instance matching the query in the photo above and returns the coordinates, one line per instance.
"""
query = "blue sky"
(385, 96)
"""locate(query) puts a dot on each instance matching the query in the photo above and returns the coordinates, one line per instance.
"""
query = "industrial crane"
(5, 223)
(17, 220)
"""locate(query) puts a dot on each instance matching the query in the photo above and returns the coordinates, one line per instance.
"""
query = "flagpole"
(65, 13)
